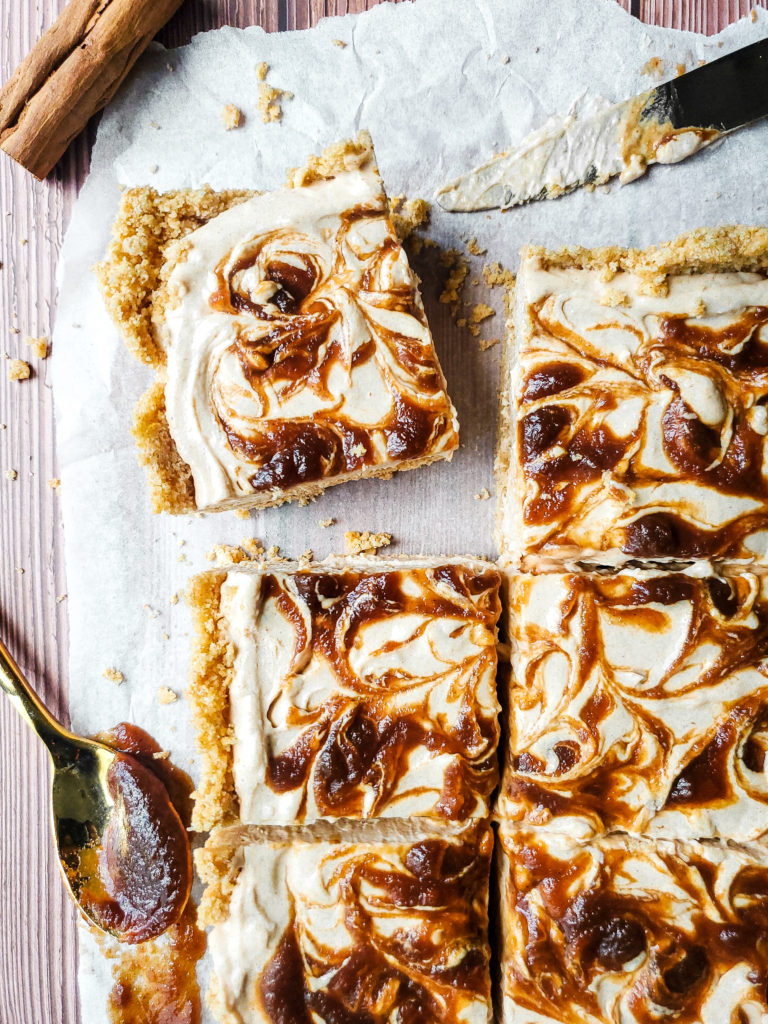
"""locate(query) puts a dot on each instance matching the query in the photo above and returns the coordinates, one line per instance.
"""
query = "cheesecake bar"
(376, 930)
(624, 930)
(635, 413)
(355, 688)
(290, 342)
(639, 701)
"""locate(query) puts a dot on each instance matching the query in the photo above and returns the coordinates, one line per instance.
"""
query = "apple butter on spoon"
(123, 848)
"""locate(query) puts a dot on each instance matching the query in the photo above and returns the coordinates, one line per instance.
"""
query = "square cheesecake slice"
(623, 929)
(376, 930)
(289, 336)
(639, 701)
(636, 418)
(348, 689)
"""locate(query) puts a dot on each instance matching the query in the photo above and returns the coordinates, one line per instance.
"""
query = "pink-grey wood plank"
(37, 929)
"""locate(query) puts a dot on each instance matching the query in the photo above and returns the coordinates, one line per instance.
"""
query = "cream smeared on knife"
(567, 152)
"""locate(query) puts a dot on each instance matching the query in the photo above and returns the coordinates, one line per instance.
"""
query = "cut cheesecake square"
(635, 418)
(356, 688)
(289, 336)
(639, 701)
(623, 929)
(380, 930)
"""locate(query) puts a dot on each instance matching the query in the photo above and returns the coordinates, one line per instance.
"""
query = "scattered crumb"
(154, 168)
(232, 554)
(18, 369)
(486, 343)
(654, 66)
(19, 570)
(153, 612)
(358, 450)
(161, 755)
(461, 321)
(340, 43)
(11, 474)
(273, 552)
(114, 676)
(54, 484)
(60, 598)
(166, 636)
(39, 346)
(306, 558)
(483, 495)
(174, 598)
(407, 215)
(13, 330)
(480, 311)
(243, 513)
(753, 15)
(505, 59)
(359, 543)
(497, 276)
(165, 695)
(679, 70)
(231, 117)
(169, 67)
(270, 97)
(474, 248)
(325, 523)
(458, 268)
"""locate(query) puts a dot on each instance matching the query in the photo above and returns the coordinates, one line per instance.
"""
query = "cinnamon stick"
(72, 72)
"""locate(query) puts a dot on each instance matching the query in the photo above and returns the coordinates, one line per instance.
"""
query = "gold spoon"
(123, 849)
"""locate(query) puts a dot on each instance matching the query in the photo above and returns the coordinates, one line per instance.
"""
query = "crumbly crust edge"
(734, 247)
(210, 675)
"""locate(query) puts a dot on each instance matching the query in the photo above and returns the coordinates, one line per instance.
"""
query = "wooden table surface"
(38, 946)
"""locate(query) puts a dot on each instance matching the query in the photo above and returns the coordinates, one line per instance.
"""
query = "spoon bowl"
(123, 849)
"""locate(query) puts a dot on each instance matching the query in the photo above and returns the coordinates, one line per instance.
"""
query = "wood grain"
(37, 926)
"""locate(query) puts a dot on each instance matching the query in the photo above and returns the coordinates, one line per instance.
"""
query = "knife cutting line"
(662, 125)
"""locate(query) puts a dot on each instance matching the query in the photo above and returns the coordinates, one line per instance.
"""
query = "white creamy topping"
(663, 680)
(669, 886)
(302, 887)
(219, 378)
(612, 334)
(440, 668)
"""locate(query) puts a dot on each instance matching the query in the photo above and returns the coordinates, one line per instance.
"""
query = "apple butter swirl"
(298, 349)
(639, 702)
(642, 416)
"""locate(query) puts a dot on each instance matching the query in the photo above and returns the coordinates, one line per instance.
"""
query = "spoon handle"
(26, 702)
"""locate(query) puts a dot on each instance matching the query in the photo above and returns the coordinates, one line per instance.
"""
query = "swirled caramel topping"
(358, 934)
(640, 702)
(364, 693)
(641, 418)
(625, 931)
(298, 348)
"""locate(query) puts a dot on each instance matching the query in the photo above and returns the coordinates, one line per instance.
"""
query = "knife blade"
(662, 125)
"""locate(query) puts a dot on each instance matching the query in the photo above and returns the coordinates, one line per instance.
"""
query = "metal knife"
(662, 125)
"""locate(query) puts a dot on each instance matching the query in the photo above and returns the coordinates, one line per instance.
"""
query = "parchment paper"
(441, 85)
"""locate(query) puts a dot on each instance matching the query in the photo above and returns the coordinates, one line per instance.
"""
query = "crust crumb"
(242, 513)
(497, 276)
(39, 346)
(161, 755)
(613, 297)
(480, 311)
(458, 268)
(114, 676)
(360, 543)
(18, 369)
(474, 248)
(232, 554)
(654, 67)
(407, 215)
(165, 695)
(270, 97)
(231, 117)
